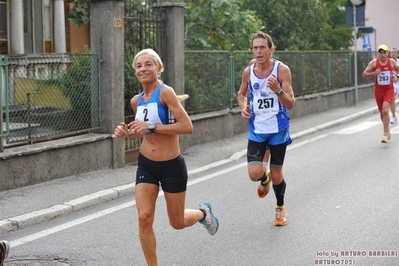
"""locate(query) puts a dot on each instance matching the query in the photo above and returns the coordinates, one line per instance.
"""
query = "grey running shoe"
(210, 221)
(4, 248)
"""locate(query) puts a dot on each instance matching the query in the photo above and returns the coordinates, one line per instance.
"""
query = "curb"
(59, 210)
(102, 196)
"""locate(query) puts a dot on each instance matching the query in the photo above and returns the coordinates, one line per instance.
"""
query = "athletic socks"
(265, 179)
(279, 190)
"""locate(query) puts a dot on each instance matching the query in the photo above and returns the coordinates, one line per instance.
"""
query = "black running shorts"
(172, 174)
(256, 151)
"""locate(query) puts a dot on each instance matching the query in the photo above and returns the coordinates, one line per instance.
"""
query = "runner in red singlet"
(381, 69)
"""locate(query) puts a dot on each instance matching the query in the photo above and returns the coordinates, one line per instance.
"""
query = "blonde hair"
(153, 54)
(182, 97)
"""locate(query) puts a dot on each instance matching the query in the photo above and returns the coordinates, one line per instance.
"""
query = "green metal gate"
(144, 28)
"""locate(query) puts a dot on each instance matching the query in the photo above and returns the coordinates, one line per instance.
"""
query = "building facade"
(383, 17)
(39, 26)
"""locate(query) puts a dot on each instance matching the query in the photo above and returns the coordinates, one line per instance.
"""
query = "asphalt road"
(341, 200)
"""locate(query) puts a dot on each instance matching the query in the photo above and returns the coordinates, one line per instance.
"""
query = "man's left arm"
(395, 66)
(286, 98)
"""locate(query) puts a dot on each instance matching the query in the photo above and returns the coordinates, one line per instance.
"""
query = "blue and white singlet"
(153, 110)
(269, 115)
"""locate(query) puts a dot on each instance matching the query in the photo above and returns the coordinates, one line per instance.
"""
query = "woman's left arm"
(183, 123)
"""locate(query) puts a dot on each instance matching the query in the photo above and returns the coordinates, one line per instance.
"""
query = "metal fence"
(48, 96)
(212, 78)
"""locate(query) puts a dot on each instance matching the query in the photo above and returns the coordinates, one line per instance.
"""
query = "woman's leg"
(146, 197)
(179, 216)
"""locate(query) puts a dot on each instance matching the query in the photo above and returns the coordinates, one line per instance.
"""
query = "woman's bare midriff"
(160, 147)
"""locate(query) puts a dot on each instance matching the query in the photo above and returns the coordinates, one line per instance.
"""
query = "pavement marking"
(395, 130)
(55, 229)
(58, 228)
(299, 144)
(357, 128)
(221, 172)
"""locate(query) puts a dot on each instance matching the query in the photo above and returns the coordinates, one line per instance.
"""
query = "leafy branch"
(79, 13)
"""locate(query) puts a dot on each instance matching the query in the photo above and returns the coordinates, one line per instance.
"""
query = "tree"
(79, 13)
(338, 35)
(293, 25)
(228, 24)
(302, 24)
(219, 25)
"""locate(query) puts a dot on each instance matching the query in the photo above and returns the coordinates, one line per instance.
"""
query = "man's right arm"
(242, 95)
(369, 71)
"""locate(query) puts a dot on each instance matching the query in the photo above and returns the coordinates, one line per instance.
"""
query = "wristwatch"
(151, 126)
(280, 92)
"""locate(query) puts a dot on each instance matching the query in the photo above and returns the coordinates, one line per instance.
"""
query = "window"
(3, 28)
(47, 27)
(37, 26)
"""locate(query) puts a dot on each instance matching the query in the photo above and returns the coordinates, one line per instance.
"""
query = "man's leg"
(385, 116)
(393, 111)
(279, 185)
(266, 159)
(256, 151)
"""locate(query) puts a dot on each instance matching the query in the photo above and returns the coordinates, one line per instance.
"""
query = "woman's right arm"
(122, 130)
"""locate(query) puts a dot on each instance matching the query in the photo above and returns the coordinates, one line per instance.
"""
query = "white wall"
(383, 16)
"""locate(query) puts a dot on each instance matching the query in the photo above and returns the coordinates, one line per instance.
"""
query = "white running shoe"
(210, 221)
(393, 120)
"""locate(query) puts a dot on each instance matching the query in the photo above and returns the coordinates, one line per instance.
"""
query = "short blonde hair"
(153, 54)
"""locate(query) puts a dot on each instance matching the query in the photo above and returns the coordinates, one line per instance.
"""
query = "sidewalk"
(35, 204)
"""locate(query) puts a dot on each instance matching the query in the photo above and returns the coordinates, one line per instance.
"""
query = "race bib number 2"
(148, 112)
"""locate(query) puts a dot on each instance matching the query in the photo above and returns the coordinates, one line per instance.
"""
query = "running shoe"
(4, 248)
(264, 189)
(393, 120)
(280, 217)
(386, 136)
(384, 139)
(210, 221)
